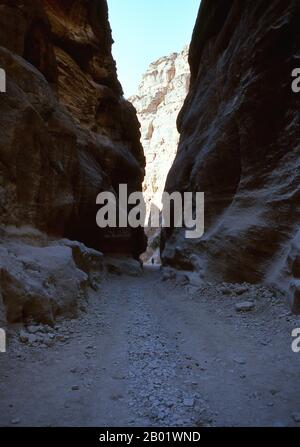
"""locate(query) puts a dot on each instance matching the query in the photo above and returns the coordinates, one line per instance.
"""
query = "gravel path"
(156, 353)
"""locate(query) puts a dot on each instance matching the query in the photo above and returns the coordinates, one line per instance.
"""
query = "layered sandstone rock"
(240, 144)
(66, 132)
(160, 97)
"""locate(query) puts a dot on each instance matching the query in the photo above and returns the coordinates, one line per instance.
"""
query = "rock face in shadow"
(240, 144)
(66, 132)
(158, 101)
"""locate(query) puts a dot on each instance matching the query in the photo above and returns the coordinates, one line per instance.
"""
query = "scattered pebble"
(274, 391)
(225, 290)
(188, 402)
(239, 290)
(239, 360)
(15, 421)
(245, 306)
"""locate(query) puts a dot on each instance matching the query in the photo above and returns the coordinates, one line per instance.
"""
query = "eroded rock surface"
(160, 97)
(240, 143)
(66, 132)
(42, 278)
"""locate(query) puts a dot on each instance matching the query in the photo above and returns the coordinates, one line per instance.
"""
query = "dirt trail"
(151, 353)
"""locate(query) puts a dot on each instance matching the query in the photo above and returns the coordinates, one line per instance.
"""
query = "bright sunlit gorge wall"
(145, 30)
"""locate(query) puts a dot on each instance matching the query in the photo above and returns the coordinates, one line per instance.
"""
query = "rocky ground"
(157, 350)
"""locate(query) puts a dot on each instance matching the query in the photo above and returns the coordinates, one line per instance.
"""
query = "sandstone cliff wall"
(159, 99)
(66, 134)
(240, 144)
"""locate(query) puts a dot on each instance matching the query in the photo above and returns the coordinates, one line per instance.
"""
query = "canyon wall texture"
(160, 97)
(240, 144)
(66, 134)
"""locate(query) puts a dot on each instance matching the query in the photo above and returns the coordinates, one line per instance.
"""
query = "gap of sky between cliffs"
(143, 31)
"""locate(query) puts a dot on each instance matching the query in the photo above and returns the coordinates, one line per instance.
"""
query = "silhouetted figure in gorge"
(152, 261)
(139, 244)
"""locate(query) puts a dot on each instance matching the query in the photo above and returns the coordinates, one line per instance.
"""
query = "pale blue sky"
(144, 30)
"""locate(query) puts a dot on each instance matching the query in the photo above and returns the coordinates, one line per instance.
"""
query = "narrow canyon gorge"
(112, 327)
(160, 97)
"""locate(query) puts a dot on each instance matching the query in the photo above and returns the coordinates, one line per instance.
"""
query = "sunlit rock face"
(240, 144)
(66, 132)
(160, 97)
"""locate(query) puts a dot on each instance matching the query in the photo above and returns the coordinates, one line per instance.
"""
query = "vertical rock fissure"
(158, 101)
